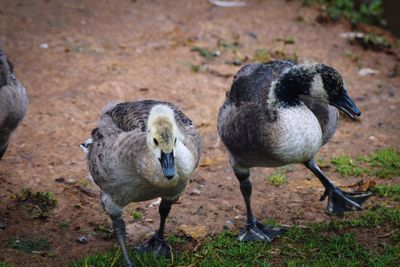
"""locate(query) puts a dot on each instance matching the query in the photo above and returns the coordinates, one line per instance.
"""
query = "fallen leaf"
(195, 232)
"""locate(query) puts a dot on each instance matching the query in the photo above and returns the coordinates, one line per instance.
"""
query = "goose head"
(317, 81)
(162, 137)
(327, 85)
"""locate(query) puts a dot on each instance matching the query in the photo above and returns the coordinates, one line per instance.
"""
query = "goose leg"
(3, 149)
(157, 243)
(338, 200)
(119, 230)
(254, 230)
(115, 213)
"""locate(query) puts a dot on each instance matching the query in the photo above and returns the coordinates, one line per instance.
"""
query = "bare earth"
(99, 51)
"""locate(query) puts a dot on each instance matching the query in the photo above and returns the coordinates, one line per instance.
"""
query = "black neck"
(297, 81)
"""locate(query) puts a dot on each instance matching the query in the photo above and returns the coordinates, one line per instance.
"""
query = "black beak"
(167, 164)
(347, 105)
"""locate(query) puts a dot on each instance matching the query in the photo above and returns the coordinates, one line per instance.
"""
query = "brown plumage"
(140, 151)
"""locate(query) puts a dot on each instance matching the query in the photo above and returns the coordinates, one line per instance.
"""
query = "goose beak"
(167, 164)
(347, 105)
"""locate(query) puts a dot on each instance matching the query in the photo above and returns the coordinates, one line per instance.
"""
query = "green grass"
(383, 163)
(136, 215)
(369, 12)
(386, 163)
(317, 244)
(36, 204)
(29, 245)
(262, 56)
(4, 264)
(391, 191)
(346, 166)
(206, 53)
(277, 179)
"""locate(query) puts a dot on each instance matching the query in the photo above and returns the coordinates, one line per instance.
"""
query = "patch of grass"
(386, 163)
(367, 219)
(195, 68)
(346, 166)
(317, 244)
(29, 245)
(64, 224)
(369, 12)
(229, 45)
(206, 53)
(277, 179)
(175, 239)
(370, 41)
(136, 215)
(36, 204)
(392, 191)
(383, 163)
(4, 264)
(262, 56)
(286, 40)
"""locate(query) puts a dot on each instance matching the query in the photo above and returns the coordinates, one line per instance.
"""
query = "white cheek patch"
(183, 158)
(317, 89)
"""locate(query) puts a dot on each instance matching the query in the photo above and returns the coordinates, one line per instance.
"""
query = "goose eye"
(155, 141)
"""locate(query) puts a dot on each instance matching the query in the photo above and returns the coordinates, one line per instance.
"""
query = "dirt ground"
(74, 57)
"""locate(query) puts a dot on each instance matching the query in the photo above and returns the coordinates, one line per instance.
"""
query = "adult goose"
(140, 151)
(13, 102)
(13, 105)
(280, 113)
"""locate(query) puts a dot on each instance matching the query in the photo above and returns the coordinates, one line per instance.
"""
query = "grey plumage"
(280, 113)
(129, 143)
(249, 128)
(120, 139)
(13, 102)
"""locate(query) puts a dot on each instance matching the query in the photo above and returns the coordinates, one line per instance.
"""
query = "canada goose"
(140, 151)
(13, 105)
(280, 113)
(13, 102)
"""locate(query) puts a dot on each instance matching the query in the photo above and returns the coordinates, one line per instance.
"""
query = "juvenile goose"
(280, 113)
(140, 151)
(13, 102)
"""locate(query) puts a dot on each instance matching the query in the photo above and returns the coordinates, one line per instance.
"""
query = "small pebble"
(83, 240)
(2, 225)
(195, 192)
(60, 180)
(44, 46)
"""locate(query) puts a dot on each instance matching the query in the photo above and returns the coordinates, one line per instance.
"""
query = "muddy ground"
(74, 57)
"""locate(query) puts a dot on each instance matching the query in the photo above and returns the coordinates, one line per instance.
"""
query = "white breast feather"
(300, 135)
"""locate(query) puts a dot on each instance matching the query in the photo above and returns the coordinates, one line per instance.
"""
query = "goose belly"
(126, 189)
(299, 135)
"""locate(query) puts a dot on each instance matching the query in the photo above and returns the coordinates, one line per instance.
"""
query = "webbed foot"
(340, 201)
(258, 232)
(157, 246)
